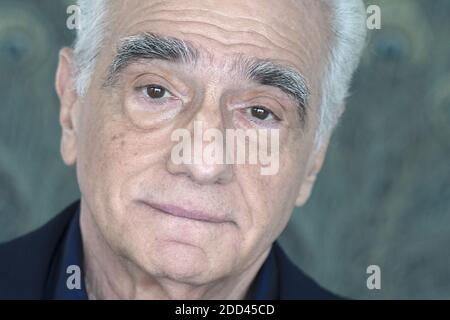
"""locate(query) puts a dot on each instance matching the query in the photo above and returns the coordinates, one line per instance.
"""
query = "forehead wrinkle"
(262, 26)
(305, 50)
(252, 37)
(302, 6)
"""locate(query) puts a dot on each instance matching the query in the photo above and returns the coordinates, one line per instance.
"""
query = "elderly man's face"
(120, 134)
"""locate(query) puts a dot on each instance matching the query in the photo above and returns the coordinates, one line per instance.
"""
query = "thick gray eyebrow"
(147, 46)
(285, 78)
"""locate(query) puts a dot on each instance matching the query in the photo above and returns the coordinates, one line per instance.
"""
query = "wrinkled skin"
(134, 251)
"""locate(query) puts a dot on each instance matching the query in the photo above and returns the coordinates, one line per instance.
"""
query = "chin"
(176, 249)
(179, 262)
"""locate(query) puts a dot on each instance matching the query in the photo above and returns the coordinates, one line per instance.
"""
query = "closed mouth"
(186, 213)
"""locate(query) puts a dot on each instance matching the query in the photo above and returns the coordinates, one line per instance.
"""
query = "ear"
(65, 88)
(314, 165)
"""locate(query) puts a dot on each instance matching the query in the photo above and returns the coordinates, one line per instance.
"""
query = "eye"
(262, 113)
(154, 91)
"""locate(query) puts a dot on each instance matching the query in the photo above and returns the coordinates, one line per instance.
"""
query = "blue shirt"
(70, 253)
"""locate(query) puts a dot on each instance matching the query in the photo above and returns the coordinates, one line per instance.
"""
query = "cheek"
(279, 191)
(271, 199)
(114, 155)
(112, 148)
(103, 159)
(90, 155)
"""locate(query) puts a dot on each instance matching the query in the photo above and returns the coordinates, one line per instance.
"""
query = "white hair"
(90, 36)
(348, 27)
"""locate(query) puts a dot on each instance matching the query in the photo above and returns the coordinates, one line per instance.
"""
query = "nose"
(202, 174)
(205, 138)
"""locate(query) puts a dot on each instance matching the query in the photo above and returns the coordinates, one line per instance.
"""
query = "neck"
(109, 275)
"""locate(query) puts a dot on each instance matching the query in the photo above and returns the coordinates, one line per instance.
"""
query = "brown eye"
(156, 92)
(261, 113)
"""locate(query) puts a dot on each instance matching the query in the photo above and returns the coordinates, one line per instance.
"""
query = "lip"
(187, 213)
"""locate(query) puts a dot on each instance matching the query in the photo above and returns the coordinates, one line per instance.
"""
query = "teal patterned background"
(383, 197)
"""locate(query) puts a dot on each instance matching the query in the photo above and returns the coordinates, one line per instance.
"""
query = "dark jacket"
(25, 263)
